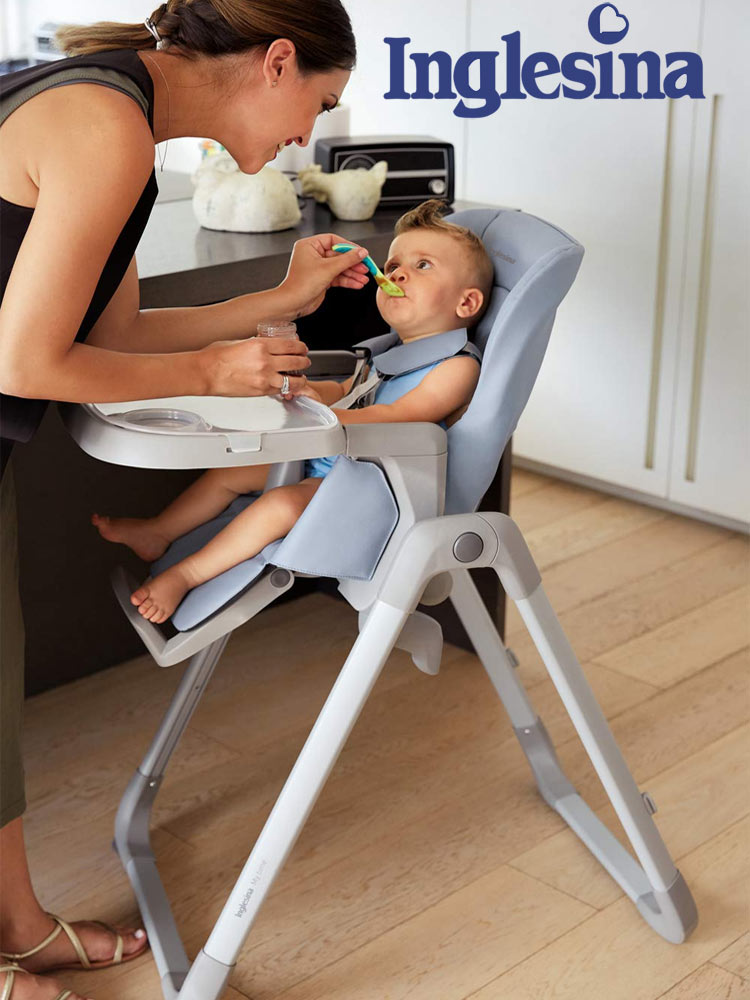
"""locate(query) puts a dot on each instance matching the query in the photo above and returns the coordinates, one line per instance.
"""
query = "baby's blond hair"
(429, 215)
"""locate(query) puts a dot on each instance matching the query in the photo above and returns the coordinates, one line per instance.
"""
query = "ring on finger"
(285, 385)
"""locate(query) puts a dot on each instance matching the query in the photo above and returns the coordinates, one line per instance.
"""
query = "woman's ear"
(280, 58)
(470, 303)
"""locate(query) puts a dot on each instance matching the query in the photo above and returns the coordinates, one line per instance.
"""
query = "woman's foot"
(138, 533)
(156, 599)
(98, 941)
(29, 987)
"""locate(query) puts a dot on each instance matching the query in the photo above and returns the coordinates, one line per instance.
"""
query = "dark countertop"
(182, 264)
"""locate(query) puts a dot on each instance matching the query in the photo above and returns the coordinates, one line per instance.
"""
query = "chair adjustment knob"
(468, 547)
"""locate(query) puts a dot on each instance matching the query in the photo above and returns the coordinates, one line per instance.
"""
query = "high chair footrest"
(167, 652)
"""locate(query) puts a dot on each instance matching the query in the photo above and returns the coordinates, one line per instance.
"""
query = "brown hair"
(321, 30)
(429, 215)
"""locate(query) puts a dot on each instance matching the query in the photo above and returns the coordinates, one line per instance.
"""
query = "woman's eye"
(327, 107)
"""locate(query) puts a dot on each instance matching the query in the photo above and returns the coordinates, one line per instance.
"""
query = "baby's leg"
(270, 517)
(207, 497)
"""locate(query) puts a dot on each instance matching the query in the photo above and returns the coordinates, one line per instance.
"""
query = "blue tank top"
(387, 392)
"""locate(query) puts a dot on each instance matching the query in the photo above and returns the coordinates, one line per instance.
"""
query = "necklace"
(162, 155)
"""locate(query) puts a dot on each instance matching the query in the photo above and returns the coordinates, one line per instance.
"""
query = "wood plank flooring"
(430, 868)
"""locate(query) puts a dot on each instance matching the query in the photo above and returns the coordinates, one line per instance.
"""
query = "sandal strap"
(10, 975)
(16, 956)
(74, 940)
(79, 949)
(64, 995)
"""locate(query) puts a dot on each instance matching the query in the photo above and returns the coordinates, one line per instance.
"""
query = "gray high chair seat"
(411, 538)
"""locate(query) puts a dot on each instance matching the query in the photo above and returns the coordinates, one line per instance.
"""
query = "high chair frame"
(426, 559)
(432, 557)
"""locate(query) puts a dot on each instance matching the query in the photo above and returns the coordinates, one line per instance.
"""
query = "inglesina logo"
(583, 74)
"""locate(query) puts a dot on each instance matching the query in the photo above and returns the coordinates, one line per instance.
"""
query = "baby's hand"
(309, 391)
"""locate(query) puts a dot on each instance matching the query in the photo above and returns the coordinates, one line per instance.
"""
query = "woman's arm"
(124, 326)
(86, 194)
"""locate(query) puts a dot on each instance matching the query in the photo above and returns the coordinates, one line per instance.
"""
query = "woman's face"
(276, 105)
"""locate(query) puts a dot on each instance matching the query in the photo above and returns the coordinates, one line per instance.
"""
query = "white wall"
(433, 26)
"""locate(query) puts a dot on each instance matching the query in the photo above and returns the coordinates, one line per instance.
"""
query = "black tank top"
(19, 418)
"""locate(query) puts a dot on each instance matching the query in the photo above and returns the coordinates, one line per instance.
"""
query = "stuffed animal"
(351, 194)
(226, 199)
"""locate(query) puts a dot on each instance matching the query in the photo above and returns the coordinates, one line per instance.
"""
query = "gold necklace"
(162, 156)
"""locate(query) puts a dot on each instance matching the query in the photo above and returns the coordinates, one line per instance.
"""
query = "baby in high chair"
(446, 276)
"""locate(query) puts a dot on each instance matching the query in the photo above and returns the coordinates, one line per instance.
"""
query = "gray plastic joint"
(514, 661)
(672, 913)
(538, 747)
(207, 978)
(648, 803)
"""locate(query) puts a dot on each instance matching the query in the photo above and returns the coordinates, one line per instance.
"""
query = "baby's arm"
(329, 390)
(440, 393)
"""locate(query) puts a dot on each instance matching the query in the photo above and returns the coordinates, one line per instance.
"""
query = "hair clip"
(151, 28)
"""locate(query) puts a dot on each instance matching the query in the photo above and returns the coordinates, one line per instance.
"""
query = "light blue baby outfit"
(387, 392)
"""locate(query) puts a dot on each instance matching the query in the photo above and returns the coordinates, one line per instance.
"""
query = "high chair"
(395, 523)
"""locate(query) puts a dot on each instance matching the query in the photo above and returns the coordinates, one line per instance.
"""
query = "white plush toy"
(226, 199)
(351, 194)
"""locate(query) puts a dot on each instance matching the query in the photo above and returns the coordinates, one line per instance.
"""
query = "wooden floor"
(430, 868)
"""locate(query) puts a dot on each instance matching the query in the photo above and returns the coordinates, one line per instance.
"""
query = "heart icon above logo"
(607, 25)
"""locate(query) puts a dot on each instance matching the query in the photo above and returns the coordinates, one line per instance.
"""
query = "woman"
(76, 188)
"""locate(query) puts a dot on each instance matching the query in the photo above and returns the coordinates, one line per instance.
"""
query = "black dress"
(19, 418)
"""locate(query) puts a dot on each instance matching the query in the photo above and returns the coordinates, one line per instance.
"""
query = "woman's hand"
(253, 367)
(314, 268)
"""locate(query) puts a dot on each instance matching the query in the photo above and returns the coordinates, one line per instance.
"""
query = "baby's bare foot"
(156, 599)
(138, 533)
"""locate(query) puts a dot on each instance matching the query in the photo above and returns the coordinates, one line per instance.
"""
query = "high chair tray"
(188, 432)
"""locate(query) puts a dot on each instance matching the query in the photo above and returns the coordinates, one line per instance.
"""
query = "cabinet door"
(710, 466)
(609, 172)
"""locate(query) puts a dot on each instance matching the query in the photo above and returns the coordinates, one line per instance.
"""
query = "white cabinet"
(612, 401)
(710, 461)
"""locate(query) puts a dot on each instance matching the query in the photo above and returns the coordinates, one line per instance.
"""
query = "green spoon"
(388, 286)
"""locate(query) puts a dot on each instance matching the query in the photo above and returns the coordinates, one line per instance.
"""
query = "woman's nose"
(302, 140)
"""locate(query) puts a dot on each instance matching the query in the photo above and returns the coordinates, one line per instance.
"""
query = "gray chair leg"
(132, 841)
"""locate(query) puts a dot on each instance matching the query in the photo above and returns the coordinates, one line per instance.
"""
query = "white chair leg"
(454, 544)
(210, 970)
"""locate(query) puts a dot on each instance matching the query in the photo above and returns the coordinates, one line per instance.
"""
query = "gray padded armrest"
(328, 363)
(395, 439)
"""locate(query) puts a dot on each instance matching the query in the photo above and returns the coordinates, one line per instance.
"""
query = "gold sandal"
(10, 976)
(85, 962)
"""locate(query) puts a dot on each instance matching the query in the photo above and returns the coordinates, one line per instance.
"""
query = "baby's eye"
(420, 262)
(390, 265)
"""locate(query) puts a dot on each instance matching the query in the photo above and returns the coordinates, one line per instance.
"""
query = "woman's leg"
(270, 517)
(207, 497)
(23, 921)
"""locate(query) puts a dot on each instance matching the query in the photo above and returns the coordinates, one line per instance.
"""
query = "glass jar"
(279, 328)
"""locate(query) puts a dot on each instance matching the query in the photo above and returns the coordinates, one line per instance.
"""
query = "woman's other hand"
(254, 367)
(314, 268)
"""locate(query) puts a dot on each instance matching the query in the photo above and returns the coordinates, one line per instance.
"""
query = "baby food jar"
(279, 328)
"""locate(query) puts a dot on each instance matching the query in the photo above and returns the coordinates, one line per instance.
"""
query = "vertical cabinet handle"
(657, 336)
(704, 283)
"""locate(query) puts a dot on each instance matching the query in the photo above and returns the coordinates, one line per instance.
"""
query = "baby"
(446, 276)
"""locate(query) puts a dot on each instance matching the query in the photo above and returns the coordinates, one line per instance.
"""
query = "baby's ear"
(470, 303)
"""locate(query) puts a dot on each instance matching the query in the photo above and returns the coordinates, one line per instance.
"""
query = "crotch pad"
(341, 533)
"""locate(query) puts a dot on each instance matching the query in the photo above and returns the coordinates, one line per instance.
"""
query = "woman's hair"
(429, 215)
(321, 31)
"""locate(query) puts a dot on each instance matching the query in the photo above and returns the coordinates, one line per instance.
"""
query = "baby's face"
(431, 269)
